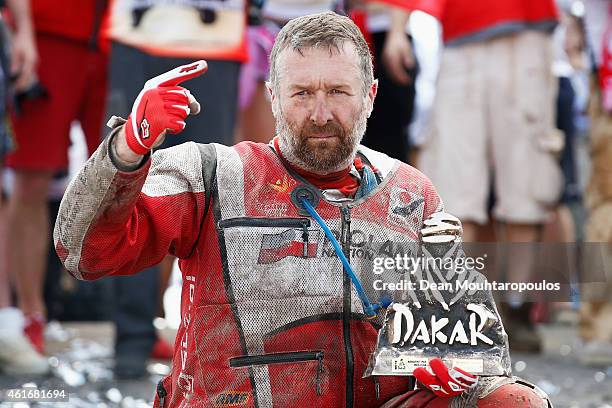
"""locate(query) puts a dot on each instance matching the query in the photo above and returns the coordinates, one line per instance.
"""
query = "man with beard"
(267, 319)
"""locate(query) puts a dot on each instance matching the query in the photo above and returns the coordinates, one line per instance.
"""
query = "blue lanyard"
(368, 308)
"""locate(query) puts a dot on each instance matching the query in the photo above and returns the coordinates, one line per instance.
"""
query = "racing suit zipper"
(277, 358)
(305, 239)
(376, 386)
(302, 223)
(319, 373)
(346, 305)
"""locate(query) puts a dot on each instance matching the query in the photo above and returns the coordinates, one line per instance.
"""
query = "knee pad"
(516, 393)
(497, 392)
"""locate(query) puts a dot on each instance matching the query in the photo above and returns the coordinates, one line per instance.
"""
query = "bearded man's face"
(320, 107)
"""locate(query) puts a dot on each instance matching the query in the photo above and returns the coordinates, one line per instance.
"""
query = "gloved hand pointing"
(445, 382)
(162, 107)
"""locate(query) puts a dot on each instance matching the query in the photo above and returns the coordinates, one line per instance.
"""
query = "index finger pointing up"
(178, 75)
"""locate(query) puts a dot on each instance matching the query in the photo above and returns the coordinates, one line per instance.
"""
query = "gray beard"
(296, 152)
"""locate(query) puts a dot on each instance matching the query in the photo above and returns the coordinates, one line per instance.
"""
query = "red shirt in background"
(80, 20)
(472, 20)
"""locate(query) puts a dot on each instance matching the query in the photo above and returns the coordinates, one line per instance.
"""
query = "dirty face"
(321, 106)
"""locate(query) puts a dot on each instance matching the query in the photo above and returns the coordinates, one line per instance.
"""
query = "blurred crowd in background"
(506, 105)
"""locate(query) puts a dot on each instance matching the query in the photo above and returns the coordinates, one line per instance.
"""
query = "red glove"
(161, 107)
(445, 382)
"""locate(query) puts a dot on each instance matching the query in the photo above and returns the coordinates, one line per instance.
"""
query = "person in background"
(147, 39)
(596, 307)
(493, 123)
(569, 52)
(69, 84)
(427, 42)
(18, 59)
(566, 224)
(388, 127)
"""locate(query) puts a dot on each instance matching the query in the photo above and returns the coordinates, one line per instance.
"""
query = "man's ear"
(273, 99)
(270, 91)
(372, 95)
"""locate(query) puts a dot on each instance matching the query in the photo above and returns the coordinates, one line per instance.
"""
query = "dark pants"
(217, 91)
(135, 301)
(387, 129)
(565, 122)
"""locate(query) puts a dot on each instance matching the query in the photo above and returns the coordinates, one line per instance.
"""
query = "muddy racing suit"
(268, 316)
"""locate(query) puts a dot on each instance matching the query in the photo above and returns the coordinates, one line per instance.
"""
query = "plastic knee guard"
(509, 392)
(517, 394)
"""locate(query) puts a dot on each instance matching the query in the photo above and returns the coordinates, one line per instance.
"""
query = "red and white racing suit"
(269, 318)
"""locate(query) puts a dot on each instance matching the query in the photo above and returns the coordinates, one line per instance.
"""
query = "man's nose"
(321, 112)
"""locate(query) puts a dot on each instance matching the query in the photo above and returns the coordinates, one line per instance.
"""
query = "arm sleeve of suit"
(117, 222)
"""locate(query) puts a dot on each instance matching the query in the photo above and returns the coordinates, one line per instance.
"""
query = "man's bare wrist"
(122, 151)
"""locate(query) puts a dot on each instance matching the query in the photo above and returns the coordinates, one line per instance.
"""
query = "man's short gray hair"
(327, 30)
